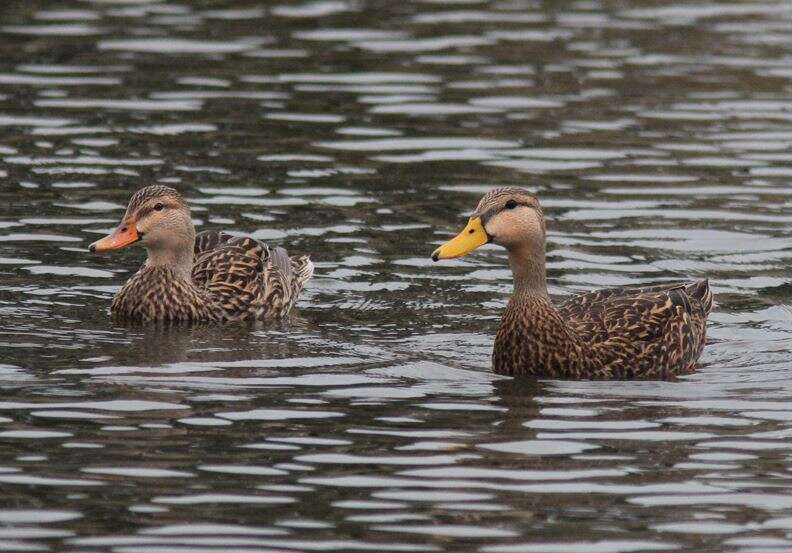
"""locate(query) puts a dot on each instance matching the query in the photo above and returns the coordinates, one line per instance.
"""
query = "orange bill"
(123, 236)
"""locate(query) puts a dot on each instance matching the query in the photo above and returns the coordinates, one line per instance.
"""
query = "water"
(657, 136)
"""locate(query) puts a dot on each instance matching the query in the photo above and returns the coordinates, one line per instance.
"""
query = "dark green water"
(657, 136)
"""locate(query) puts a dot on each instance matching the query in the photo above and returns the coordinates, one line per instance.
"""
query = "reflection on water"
(657, 137)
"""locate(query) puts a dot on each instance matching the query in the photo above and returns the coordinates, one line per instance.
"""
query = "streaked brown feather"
(233, 279)
(650, 332)
(654, 332)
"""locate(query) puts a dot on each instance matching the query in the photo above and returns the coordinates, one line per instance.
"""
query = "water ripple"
(364, 135)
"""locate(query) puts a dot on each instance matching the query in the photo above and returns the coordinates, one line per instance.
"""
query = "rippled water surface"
(658, 136)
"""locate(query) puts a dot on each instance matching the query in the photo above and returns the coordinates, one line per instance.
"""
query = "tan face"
(159, 222)
(509, 217)
(516, 224)
(162, 222)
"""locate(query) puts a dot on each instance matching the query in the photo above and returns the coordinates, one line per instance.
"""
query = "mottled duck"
(647, 332)
(211, 276)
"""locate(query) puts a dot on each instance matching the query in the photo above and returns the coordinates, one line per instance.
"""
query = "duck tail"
(303, 269)
(701, 291)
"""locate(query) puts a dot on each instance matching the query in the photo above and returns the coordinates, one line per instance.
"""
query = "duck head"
(509, 217)
(158, 219)
(513, 219)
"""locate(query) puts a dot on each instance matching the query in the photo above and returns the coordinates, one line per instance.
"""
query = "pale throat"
(177, 257)
(527, 263)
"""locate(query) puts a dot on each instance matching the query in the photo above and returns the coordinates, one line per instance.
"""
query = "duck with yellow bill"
(643, 332)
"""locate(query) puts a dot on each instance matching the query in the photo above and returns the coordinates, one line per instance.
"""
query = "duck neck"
(527, 263)
(179, 260)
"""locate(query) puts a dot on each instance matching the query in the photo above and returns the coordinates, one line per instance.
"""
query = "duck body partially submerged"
(209, 277)
(655, 332)
(651, 332)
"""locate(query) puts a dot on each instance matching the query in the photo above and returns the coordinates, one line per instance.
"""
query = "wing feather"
(643, 331)
(245, 278)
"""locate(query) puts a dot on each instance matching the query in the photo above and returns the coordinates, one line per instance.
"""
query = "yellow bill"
(123, 236)
(472, 237)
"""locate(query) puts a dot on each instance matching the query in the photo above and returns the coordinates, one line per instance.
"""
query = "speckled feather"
(247, 278)
(232, 279)
(653, 332)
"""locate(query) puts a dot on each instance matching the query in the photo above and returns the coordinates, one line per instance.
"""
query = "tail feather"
(280, 258)
(701, 291)
(303, 269)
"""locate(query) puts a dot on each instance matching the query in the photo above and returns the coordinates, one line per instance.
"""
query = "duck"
(211, 276)
(652, 332)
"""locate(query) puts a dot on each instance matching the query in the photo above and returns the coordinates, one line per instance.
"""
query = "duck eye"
(159, 207)
(511, 204)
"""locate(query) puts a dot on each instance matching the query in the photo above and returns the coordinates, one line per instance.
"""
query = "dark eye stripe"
(511, 204)
(491, 212)
(149, 209)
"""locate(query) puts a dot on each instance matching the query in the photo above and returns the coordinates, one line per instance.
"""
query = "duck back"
(655, 332)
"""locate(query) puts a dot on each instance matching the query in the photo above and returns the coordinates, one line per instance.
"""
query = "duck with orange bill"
(211, 276)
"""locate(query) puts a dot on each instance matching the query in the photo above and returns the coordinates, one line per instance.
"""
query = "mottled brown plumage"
(209, 277)
(653, 332)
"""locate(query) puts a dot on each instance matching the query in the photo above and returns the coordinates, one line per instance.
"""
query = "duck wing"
(246, 278)
(589, 307)
(644, 332)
